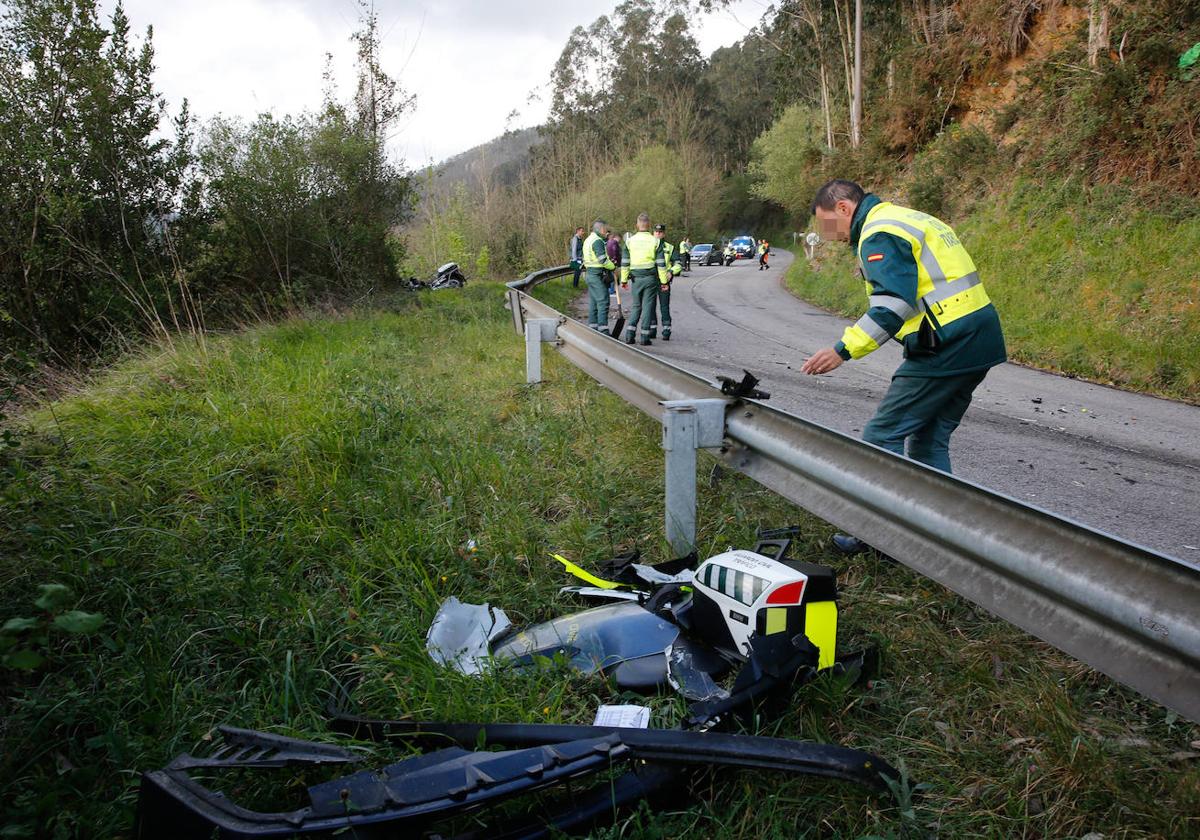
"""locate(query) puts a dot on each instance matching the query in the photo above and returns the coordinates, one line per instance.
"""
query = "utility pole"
(856, 107)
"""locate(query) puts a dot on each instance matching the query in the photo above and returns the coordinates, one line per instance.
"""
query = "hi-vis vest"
(643, 253)
(673, 265)
(948, 286)
(589, 253)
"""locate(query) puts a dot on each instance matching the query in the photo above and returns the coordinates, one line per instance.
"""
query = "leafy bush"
(790, 159)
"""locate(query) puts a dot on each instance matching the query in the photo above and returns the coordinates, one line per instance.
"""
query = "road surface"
(1120, 462)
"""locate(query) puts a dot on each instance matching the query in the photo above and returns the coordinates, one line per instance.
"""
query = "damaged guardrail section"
(1123, 609)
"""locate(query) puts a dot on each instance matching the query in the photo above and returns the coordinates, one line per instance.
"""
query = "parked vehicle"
(744, 246)
(706, 255)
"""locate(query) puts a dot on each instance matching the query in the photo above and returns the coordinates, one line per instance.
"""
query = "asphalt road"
(1120, 462)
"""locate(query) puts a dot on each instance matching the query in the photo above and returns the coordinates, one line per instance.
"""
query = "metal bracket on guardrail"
(537, 330)
(688, 425)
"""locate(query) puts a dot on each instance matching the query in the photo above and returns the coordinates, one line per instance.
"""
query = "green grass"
(1086, 283)
(284, 512)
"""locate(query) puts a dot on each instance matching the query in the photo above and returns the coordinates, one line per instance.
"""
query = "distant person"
(599, 269)
(664, 290)
(575, 255)
(763, 250)
(924, 292)
(614, 256)
(729, 254)
(685, 253)
(644, 261)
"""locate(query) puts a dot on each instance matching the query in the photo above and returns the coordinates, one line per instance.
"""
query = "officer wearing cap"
(644, 261)
(664, 290)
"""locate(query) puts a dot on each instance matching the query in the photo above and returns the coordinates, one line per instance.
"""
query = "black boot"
(666, 335)
(645, 342)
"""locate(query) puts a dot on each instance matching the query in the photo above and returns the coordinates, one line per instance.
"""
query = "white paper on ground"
(629, 717)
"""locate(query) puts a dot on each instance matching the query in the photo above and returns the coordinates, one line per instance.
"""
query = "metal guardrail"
(1123, 609)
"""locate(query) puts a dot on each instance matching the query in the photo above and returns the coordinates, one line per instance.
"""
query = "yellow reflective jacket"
(644, 254)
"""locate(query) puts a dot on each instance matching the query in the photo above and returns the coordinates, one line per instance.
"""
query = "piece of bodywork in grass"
(423, 795)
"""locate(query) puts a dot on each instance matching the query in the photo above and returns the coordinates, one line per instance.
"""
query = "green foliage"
(652, 181)
(87, 182)
(952, 172)
(790, 159)
(113, 227)
(23, 641)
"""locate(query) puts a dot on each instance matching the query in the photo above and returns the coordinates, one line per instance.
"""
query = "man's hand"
(823, 361)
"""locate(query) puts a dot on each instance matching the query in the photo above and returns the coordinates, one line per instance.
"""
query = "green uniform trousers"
(924, 411)
(664, 306)
(645, 297)
(597, 288)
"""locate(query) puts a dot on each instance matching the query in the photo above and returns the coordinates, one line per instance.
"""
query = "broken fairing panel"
(413, 795)
(461, 634)
(621, 640)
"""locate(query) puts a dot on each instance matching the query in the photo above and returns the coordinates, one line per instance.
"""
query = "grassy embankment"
(289, 509)
(1090, 287)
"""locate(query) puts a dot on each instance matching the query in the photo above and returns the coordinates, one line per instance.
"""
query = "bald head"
(643, 221)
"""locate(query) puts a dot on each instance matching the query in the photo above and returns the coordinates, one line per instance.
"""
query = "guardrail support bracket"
(537, 330)
(688, 425)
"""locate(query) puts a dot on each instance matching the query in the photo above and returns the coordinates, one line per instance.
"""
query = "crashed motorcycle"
(448, 276)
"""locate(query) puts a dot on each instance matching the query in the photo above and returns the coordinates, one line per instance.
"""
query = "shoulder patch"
(874, 257)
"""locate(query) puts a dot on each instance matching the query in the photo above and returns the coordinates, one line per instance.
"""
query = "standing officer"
(685, 252)
(664, 290)
(597, 263)
(924, 292)
(644, 258)
(575, 255)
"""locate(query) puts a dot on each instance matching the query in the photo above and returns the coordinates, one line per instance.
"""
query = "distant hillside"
(501, 158)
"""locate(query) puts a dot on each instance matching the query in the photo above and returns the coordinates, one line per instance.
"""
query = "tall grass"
(284, 513)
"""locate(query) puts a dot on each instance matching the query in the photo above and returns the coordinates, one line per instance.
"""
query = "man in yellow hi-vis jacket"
(643, 259)
(924, 291)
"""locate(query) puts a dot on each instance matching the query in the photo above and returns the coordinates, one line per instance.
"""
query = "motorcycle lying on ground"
(448, 276)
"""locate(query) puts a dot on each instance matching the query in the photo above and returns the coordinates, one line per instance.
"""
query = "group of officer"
(648, 263)
(923, 290)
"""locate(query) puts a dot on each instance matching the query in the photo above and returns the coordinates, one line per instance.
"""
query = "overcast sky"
(469, 62)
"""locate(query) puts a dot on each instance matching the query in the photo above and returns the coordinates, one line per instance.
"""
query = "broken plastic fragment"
(602, 594)
(461, 634)
(686, 677)
(653, 575)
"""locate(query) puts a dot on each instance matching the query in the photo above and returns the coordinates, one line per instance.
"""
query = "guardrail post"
(537, 330)
(687, 426)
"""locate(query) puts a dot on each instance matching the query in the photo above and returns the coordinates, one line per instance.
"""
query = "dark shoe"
(654, 333)
(846, 544)
(629, 338)
(666, 336)
(645, 342)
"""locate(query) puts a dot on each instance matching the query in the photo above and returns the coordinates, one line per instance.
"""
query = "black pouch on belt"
(927, 342)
